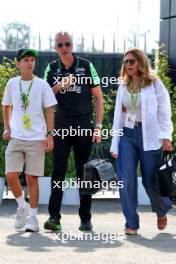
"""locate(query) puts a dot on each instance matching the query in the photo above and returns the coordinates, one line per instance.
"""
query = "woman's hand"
(167, 145)
(114, 155)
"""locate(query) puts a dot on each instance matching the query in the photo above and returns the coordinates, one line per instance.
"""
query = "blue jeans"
(131, 151)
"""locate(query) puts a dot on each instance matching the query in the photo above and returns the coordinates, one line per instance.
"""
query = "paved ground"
(108, 244)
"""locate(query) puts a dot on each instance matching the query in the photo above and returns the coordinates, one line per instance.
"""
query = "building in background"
(168, 32)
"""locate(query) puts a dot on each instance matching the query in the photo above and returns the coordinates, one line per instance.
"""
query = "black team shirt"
(76, 101)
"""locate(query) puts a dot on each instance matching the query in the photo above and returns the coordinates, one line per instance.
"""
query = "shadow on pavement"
(163, 242)
(38, 242)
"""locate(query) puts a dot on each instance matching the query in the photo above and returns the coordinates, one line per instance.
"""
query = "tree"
(17, 35)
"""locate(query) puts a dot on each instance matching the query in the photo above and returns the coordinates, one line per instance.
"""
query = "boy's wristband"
(50, 133)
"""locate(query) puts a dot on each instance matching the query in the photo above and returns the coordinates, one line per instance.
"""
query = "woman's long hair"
(145, 74)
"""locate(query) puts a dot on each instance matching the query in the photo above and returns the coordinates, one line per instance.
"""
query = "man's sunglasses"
(61, 44)
(130, 62)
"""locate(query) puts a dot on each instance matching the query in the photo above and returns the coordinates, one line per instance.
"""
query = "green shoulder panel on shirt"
(94, 75)
(46, 72)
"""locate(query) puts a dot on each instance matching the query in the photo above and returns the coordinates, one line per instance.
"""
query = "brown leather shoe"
(162, 222)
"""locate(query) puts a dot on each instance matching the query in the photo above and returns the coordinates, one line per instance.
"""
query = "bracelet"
(50, 133)
(99, 125)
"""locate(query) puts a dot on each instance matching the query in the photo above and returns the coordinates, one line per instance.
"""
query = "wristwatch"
(50, 133)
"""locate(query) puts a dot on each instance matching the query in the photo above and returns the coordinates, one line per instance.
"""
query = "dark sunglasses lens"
(60, 45)
(67, 44)
(130, 62)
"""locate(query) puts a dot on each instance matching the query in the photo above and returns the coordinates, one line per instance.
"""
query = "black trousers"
(81, 147)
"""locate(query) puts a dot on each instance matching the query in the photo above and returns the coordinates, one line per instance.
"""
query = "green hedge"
(7, 71)
(163, 73)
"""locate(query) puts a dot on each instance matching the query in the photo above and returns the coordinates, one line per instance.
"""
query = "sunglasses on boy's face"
(130, 62)
(62, 44)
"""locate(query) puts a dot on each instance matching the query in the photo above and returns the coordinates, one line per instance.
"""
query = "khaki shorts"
(20, 153)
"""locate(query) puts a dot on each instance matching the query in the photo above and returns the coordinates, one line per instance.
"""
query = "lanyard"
(25, 97)
(133, 97)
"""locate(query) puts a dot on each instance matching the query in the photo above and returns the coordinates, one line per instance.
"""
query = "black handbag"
(97, 171)
(167, 175)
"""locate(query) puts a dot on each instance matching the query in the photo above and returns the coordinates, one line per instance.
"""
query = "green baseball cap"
(21, 53)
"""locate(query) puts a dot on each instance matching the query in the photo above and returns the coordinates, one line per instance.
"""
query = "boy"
(30, 134)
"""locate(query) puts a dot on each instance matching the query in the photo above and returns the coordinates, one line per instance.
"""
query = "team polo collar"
(73, 66)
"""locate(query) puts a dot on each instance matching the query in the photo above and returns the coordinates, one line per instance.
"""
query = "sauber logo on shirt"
(75, 88)
(80, 71)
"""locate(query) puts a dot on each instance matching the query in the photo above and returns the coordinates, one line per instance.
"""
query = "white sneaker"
(32, 224)
(21, 216)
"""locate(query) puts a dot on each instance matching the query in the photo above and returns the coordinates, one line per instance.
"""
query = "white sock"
(21, 202)
(33, 211)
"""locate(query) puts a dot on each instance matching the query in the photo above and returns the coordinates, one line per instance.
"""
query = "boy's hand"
(6, 134)
(49, 144)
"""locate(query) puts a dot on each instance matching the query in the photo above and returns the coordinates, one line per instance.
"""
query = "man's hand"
(49, 144)
(167, 145)
(68, 81)
(6, 134)
(96, 136)
(64, 84)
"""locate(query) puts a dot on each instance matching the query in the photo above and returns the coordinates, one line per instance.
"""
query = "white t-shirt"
(41, 96)
(128, 104)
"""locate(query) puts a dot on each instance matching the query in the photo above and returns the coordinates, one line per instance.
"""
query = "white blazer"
(155, 113)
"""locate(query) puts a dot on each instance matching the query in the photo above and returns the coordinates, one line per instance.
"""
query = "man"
(25, 98)
(74, 82)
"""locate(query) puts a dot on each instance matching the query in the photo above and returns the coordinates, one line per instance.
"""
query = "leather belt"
(137, 124)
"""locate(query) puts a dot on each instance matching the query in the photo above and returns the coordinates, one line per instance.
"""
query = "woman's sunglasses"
(61, 44)
(130, 62)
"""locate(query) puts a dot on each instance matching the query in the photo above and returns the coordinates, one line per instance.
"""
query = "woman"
(143, 110)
